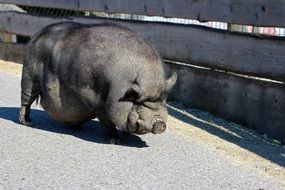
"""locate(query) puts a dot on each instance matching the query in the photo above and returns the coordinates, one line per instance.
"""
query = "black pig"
(81, 72)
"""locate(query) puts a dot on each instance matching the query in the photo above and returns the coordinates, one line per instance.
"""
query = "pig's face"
(150, 115)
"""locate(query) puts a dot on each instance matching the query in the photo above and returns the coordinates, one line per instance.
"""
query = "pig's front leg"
(111, 131)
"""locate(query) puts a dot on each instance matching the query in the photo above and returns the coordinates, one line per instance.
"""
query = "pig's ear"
(132, 94)
(171, 81)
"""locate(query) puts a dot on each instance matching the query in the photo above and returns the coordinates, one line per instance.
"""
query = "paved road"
(52, 156)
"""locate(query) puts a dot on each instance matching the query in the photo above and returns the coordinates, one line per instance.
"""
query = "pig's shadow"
(91, 131)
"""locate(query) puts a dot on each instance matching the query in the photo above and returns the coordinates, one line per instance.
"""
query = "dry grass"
(10, 67)
(237, 143)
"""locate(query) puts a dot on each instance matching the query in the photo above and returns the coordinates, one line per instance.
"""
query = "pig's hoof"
(114, 141)
(159, 127)
(25, 120)
(132, 129)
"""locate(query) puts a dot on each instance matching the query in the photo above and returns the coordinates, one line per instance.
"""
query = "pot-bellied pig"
(81, 72)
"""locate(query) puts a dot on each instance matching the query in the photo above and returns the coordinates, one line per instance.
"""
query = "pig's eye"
(132, 94)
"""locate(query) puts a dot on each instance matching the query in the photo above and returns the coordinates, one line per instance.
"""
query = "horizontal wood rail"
(238, 53)
(247, 12)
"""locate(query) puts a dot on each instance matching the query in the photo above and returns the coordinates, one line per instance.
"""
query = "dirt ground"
(237, 143)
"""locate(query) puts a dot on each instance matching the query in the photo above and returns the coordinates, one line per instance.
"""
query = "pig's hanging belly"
(63, 105)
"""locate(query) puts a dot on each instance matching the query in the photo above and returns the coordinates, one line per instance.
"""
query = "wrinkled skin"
(81, 72)
(148, 117)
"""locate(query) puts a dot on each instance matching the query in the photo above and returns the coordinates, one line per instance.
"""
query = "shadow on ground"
(240, 136)
(91, 131)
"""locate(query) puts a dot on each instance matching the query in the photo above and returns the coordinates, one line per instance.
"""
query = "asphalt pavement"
(53, 156)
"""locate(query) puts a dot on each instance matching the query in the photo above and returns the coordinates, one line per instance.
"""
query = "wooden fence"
(232, 85)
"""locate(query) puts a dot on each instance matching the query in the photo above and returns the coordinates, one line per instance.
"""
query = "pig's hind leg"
(29, 93)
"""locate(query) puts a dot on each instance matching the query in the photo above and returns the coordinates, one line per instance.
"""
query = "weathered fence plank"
(257, 104)
(244, 54)
(12, 52)
(249, 12)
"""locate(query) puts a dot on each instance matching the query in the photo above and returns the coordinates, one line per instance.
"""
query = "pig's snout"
(158, 127)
